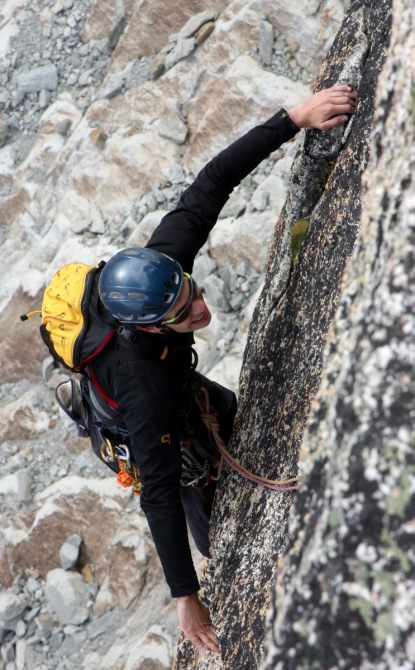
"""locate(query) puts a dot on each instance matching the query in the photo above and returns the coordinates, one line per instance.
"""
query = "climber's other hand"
(195, 622)
(325, 109)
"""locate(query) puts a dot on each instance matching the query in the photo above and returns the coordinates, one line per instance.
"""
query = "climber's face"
(190, 312)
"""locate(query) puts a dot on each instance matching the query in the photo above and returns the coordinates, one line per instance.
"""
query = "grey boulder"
(67, 595)
(40, 78)
(11, 606)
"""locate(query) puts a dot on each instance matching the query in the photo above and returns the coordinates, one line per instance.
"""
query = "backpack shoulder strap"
(130, 339)
(149, 346)
(96, 391)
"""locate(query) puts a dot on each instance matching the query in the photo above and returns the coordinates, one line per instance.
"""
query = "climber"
(150, 291)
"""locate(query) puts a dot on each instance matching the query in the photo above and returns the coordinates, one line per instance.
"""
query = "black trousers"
(197, 502)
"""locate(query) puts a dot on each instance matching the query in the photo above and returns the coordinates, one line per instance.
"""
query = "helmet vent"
(136, 296)
(116, 294)
(175, 277)
(126, 317)
(147, 257)
(168, 297)
(147, 317)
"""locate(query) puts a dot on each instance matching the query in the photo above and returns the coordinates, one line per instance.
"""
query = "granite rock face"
(345, 589)
(280, 376)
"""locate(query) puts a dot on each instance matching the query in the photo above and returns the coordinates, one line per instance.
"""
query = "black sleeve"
(184, 230)
(148, 396)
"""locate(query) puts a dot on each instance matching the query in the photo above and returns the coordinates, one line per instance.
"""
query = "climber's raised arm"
(184, 230)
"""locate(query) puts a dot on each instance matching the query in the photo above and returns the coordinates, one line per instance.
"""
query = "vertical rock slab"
(345, 593)
(283, 359)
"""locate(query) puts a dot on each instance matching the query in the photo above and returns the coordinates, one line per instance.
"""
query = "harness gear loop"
(213, 425)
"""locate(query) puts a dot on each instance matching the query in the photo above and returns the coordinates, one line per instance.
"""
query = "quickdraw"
(129, 474)
(213, 425)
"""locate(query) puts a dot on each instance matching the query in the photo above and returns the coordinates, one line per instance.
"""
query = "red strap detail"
(99, 388)
(100, 348)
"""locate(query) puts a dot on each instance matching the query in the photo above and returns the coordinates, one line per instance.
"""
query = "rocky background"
(107, 111)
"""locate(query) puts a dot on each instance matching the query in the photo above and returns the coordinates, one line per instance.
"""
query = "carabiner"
(107, 450)
(123, 453)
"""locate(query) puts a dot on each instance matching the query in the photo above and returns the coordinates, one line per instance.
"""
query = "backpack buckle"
(126, 333)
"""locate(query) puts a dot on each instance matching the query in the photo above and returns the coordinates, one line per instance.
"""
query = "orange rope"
(213, 425)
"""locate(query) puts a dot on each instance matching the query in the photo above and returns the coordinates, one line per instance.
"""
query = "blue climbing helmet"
(140, 285)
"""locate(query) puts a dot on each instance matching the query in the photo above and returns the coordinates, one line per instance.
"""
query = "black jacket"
(148, 390)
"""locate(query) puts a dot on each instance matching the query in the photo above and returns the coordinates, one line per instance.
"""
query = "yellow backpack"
(71, 327)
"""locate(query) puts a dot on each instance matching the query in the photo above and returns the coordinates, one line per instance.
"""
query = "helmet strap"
(166, 330)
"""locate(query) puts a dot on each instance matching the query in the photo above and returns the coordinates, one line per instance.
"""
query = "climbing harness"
(84, 405)
(199, 455)
(212, 424)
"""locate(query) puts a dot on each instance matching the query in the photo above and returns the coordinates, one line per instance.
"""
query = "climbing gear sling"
(210, 420)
